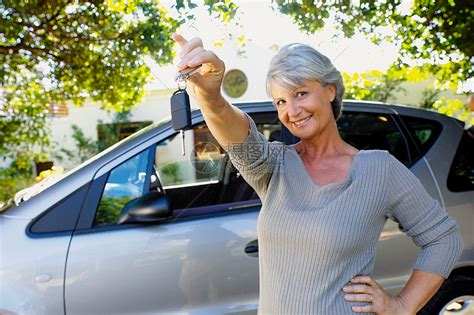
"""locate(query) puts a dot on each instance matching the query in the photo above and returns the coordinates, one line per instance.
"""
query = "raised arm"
(228, 124)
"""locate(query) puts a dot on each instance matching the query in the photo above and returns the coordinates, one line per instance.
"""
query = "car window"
(201, 181)
(368, 131)
(204, 176)
(424, 133)
(461, 174)
(125, 183)
(201, 163)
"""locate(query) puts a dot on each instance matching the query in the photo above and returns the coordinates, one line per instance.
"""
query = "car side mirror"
(151, 207)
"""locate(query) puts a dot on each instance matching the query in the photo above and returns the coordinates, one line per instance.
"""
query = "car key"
(180, 105)
(181, 114)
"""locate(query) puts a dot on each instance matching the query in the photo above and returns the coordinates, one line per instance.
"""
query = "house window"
(109, 134)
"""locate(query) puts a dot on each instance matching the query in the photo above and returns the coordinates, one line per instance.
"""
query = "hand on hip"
(365, 289)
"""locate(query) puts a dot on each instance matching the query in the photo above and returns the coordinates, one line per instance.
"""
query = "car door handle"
(252, 247)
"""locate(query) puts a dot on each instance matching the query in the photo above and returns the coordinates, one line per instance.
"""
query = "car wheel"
(456, 296)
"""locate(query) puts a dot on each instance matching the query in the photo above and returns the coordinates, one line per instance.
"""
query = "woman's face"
(305, 110)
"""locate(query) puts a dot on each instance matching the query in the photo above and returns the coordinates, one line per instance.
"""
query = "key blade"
(183, 146)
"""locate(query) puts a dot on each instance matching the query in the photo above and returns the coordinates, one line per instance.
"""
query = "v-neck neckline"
(333, 184)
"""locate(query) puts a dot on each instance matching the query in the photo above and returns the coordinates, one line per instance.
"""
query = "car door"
(199, 261)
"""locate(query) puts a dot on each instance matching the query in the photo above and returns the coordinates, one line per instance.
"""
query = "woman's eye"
(279, 103)
(300, 94)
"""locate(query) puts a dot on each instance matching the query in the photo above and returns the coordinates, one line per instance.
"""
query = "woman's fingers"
(205, 57)
(190, 45)
(359, 297)
(360, 293)
(189, 50)
(364, 279)
(179, 39)
(187, 46)
(357, 288)
(197, 57)
(363, 309)
(365, 289)
(188, 59)
(193, 54)
(361, 289)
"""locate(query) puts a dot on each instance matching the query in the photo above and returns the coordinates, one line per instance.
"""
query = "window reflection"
(126, 182)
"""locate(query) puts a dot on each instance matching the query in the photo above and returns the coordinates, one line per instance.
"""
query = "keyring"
(181, 84)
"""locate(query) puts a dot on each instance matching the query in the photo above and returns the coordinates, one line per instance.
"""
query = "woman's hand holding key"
(228, 124)
(205, 84)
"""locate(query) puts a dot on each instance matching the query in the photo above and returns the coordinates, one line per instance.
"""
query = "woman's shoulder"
(376, 157)
(376, 154)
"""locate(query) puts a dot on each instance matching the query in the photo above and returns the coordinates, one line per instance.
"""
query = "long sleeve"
(422, 218)
(256, 159)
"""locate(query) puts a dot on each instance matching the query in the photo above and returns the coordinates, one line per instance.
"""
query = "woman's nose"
(293, 109)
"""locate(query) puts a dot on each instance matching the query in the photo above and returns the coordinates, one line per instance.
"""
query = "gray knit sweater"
(314, 239)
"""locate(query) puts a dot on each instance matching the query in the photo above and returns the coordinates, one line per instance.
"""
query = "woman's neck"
(328, 144)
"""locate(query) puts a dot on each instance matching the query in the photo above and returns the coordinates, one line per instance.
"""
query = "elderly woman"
(324, 202)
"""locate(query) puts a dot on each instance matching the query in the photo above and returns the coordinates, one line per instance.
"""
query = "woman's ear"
(331, 91)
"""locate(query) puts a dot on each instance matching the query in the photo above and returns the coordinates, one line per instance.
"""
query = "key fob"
(180, 110)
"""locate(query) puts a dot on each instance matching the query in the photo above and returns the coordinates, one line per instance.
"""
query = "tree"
(374, 85)
(57, 51)
(438, 33)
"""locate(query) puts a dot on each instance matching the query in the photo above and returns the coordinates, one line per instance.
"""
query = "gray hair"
(295, 63)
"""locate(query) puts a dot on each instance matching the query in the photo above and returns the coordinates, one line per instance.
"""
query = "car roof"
(360, 105)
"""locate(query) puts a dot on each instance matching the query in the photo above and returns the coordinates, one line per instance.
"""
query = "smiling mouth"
(301, 122)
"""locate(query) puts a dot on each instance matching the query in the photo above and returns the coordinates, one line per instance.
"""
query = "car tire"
(454, 288)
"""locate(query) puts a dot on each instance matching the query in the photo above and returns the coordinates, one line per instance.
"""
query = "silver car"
(142, 229)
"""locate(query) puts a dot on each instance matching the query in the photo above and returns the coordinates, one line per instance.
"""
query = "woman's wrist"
(419, 289)
(214, 104)
(406, 306)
